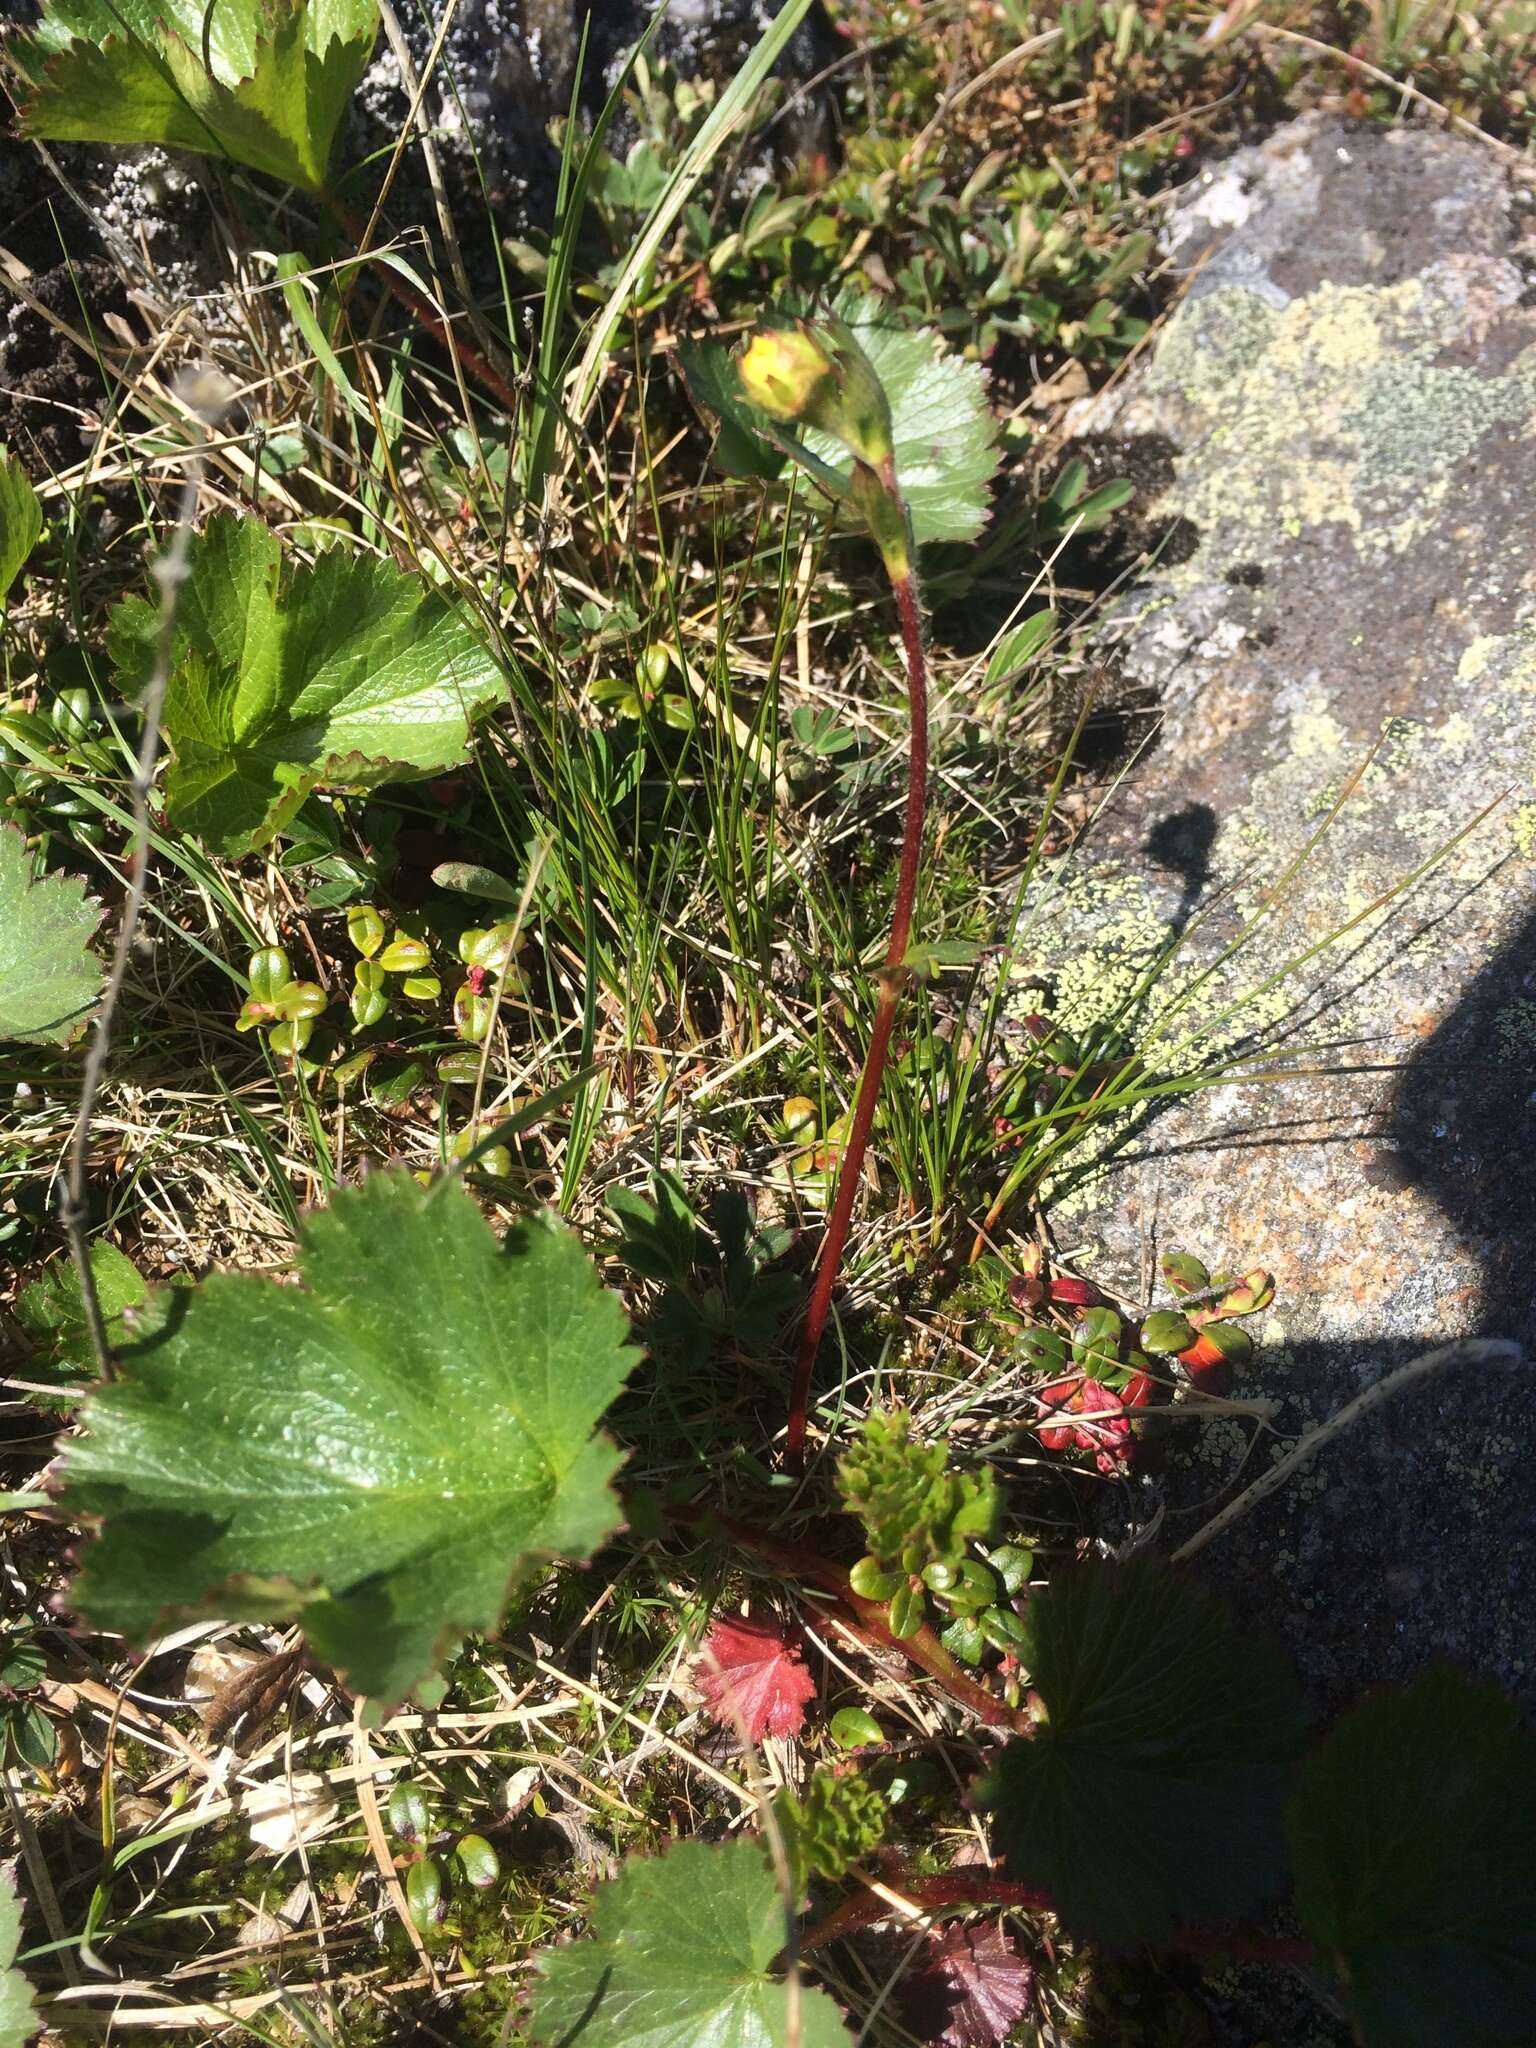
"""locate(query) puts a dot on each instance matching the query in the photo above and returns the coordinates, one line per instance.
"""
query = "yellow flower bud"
(819, 377)
(782, 372)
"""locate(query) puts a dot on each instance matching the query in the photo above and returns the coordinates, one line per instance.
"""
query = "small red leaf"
(970, 1991)
(1207, 1366)
(750, 1673)
(1139, 1391)
(1067, 1291)
(1055, 1399)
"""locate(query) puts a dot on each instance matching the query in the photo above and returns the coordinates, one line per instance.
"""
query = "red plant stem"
(958, 1894)
(865, 1617)
(851, 1163)
(479, 367)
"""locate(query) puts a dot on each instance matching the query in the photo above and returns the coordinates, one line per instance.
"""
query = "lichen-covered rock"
(1344, 653)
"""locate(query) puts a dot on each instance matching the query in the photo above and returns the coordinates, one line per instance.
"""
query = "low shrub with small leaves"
(566, 1485)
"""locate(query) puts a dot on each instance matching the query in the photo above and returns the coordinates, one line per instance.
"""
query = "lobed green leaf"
(680, 1957)
(343, 673)
(1413, 1832)
(1153, 1791)
(271, 96)
(945, 439)
(943, 433)
(378, 1453)
(21, 521)
(49, 977)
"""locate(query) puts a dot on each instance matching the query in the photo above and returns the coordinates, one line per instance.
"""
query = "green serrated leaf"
(1153, 1792)
(288, 677)
(943, 432)
(132, 71)
(379, 1452)
(49, 977)
(21, 521)
(679, 1957)
(52, 1308)
(18, 2018)
(1413, 1832)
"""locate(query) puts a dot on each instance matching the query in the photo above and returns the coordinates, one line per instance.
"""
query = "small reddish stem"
(865, 1617)
(957, 1894)
(852, 1161)
(479, 366)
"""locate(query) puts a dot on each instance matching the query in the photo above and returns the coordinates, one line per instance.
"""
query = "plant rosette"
(1105, 1369)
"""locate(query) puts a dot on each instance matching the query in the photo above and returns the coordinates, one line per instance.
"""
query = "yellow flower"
(783, 372)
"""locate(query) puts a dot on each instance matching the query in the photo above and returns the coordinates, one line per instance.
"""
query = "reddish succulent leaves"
(1096, 1421)
(1066, 1290)
(971, 1990)
(752, 1677)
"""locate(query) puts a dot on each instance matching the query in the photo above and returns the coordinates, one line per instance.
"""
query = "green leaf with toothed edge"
(377, 1453)
(288, 677)
(21, 521)
(680, 1956)
(49, 977)
(18, 2017)
(1153, 1791)
(51, 1308)
(943, 434)
(277, 80)
(1413, 1832)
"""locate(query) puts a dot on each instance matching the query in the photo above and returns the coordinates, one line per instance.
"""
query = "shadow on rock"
(1413, 1535)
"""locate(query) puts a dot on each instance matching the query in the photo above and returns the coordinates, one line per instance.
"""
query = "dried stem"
(904, 585)
(205, 399)
(1466, 1351)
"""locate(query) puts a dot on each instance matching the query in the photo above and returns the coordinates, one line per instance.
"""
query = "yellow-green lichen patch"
(1514, 1032)
(1502, 661)
(1315, 732)
(1106, 941)
(1332, 411)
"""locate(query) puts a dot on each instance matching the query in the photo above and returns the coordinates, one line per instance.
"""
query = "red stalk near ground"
(852, 1161)
(958, 1894)
(866, 1617)
(479, 366)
